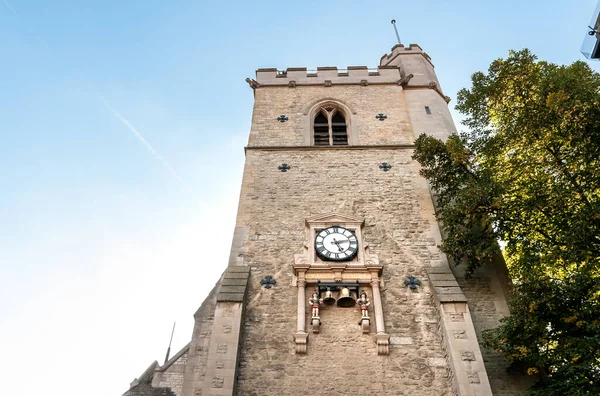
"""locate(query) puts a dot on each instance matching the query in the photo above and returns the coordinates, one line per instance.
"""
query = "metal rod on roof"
(396, 30)
(170, 341)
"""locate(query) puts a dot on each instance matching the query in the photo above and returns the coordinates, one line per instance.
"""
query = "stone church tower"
(335, 283)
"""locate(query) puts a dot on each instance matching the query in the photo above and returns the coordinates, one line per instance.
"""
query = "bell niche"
(337, 271)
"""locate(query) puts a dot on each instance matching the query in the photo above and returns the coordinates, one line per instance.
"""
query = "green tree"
(527, 172)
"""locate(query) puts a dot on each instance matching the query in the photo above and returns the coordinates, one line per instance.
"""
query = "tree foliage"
(527, 172)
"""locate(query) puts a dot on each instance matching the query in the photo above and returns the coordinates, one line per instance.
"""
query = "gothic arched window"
(330, 128)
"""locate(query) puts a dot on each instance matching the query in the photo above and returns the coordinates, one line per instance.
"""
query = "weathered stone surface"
(365, 102)
(430, 332)
(467, 356)
(148, 390)
(273, 208)
(401, 340)
(172, 377)
(487, 301)
(233, 284)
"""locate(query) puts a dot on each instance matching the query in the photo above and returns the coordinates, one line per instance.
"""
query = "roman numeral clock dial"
(336, 244)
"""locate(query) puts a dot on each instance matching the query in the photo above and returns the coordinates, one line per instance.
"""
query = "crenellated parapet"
(413, 60)
(400, 49)
(328, 76)
(409, 67)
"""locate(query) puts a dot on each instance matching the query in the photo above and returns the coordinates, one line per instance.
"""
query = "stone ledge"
(444, 283)
(233, 284)
(458, 297)
(236, 275)
(233, 289)
(309, 148)
(230, 297)
(233, 269)
(439, 270)
(442, 277)
(447, 289)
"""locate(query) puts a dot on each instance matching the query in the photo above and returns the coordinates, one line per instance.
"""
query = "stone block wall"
(363, 103)
(196, 367)
(273, 207)
(171, 376)
(486, 292)
(434, 350)
(439, 123)
(148, 390)
(411, 60)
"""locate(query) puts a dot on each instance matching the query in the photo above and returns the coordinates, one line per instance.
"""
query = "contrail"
(9, 6)
(141, 138)
(43, 42)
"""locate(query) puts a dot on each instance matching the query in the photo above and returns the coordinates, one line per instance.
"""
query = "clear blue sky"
(123, 125)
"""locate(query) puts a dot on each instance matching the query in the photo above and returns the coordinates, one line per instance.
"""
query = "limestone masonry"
(331, 150)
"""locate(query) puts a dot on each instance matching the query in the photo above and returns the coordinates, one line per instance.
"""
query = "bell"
(329, 299)
(346, 300)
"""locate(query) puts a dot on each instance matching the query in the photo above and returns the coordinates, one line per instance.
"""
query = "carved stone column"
(383, 339)
(301, 304)
(301, 336)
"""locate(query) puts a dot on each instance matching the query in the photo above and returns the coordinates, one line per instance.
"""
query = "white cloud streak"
(137, 134)
(43, 42)
(9, 6)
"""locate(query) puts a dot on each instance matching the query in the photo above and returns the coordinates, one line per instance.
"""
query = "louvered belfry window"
(330, 128)
(321, 130)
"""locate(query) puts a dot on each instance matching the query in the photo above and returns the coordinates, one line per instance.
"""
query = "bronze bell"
(329, 299)
(346, 300)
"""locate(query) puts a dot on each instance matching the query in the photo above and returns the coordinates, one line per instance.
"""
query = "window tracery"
(330, 128)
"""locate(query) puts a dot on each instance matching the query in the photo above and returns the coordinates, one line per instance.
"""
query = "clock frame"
(336, 243)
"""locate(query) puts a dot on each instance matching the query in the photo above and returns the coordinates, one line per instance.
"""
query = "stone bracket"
(301, 339)
(383, 344)
(316, 324)
(365, 324)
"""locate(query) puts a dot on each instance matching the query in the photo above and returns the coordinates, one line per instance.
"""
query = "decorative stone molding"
(383, 344)
(300, 339)
(327, 83)
(365, 324)
(306, 126)
(364, 270)
(316, 323)
(309, 109)
(353, 75)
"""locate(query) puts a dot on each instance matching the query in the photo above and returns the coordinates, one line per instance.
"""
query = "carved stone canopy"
(326, 220)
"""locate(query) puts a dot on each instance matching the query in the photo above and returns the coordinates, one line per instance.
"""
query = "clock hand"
(337, 243)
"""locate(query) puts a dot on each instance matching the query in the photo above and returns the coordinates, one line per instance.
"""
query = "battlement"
(409, 67)
(400, 49)
(359, 75)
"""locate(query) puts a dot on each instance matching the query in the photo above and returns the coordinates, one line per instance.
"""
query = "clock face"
(336, 244)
